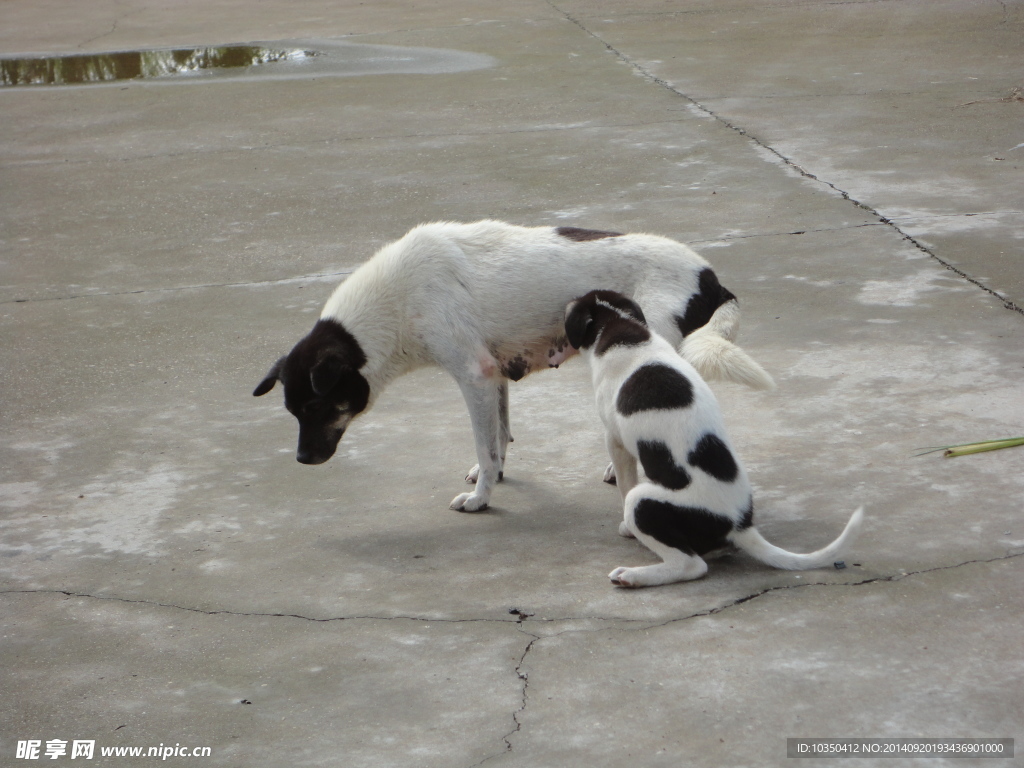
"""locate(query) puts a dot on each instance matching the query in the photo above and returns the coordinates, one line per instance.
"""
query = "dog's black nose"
(308, 457)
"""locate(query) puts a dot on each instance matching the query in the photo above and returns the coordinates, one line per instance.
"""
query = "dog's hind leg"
(482, 399)
(504, 436)
(677, 564)
(504, 432)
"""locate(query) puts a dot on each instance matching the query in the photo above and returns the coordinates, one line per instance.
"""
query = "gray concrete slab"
(165, 559)
(913, 109)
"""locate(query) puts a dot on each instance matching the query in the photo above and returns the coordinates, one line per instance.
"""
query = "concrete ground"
(170, 574)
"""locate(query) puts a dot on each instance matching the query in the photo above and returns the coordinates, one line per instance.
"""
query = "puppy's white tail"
(710, 349)
(754, 544)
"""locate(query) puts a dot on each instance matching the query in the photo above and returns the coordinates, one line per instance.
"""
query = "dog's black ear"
(270, 379)
(325, 374)
(579, 316)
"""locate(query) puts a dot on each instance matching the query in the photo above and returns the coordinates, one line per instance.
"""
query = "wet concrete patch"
(289, 59)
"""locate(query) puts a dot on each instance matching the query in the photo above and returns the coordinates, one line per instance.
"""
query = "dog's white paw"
(609, 474)
(624, 531)
(623, 577)
(469, 502)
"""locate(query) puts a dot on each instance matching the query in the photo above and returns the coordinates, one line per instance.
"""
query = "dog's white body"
(485, 302)
(666, 437)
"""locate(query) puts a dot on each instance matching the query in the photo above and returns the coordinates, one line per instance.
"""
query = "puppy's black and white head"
(323, 388)
(603, 319)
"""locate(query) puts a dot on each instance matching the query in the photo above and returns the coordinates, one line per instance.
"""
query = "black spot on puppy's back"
(654, 387)
(582, 235)
(714, 457)
(660, 467)
(693, 530)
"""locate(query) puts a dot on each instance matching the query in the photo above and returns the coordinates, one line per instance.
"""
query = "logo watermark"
(950, 747)
(85, 749)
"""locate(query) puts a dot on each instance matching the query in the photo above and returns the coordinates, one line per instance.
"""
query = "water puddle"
(283, 60)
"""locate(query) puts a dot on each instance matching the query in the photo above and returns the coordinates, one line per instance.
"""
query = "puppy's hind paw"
(624, 531)
(609, 474)
(469, 502)
(621, 577)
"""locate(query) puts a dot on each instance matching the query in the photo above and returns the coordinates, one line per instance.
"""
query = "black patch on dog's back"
(654, 387)
(693, 530)
(660, 467)
(714, 457)
(702, 305)
(582, 235)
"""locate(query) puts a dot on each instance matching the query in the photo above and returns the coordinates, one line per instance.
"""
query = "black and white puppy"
(486, 302)
(657, 410)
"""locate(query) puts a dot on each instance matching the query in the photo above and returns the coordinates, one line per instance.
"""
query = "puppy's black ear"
(579, 316)
(325, 374)
(633, 310)
(270, 379)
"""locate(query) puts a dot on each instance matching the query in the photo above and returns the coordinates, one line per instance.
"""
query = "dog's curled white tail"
(755, 545)
(711, 351)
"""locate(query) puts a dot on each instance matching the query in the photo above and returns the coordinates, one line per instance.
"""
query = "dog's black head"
(323, 388)
(605, 317)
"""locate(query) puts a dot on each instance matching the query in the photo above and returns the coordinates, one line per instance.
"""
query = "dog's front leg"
(483, 401)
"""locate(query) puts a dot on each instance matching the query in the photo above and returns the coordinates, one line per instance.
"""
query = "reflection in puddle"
(281, 60)
(137, 65)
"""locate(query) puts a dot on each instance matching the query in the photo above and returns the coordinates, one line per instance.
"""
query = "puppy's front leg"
(482, 399)
(624, 463)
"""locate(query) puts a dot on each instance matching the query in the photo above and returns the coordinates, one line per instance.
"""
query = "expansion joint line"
(892, 578)
(651, 77)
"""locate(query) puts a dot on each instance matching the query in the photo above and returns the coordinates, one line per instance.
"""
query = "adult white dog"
(485, 302)
(657, 410)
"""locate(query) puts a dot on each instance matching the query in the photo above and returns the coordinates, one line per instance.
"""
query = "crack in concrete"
(507, 738)
(892, 578)
(250, 614)
(645, 624)
(519, 622)
(108, 33)
(526, 685)
(727, 238)
(524, 677)
(113, 27)
(788, 162)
